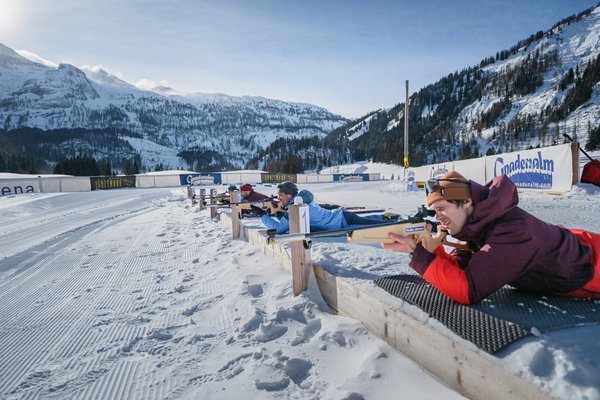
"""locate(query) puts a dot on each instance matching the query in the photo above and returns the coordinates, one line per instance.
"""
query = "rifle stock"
(270, 206)
(417, 230)
(380, 234)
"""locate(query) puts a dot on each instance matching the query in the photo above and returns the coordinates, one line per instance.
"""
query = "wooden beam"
(213, 202)
(457, 363)
(575, 159)
(298, 217)
(202, 199)
(235, 214)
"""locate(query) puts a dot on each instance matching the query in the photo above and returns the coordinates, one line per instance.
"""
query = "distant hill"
(66, 111)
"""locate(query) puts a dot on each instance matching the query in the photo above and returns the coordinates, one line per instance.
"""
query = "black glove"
(257, 211)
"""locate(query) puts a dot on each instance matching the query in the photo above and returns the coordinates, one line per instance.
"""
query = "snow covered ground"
(135, 294)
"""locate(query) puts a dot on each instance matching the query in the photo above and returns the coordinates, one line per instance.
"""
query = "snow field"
(159, 302)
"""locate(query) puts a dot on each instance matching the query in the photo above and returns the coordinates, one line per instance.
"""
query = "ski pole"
(583, 151)
(594, 162)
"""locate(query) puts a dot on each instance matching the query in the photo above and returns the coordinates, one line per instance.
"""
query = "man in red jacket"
(249, 195)
(507, 245)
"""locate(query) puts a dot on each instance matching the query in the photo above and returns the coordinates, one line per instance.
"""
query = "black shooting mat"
(504, 317)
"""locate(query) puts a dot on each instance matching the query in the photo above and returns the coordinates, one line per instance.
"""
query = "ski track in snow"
(95, 313)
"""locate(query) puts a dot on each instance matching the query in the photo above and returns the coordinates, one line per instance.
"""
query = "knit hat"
(288, 188)
(246, 187)
(452, 186)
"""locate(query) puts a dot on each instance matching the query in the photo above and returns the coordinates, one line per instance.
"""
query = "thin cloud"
(36, 59)
(149, 84)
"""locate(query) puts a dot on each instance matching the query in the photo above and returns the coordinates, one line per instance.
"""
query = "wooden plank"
(281, 254)
(455, 362)
(575, 159)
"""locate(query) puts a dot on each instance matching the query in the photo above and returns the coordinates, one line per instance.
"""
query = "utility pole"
(406, 164)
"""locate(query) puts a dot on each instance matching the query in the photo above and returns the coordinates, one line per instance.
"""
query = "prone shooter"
(416, 227)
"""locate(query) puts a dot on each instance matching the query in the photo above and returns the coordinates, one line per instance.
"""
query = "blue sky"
(350, 57)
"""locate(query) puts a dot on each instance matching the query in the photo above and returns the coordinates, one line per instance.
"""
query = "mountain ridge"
(523, 97)
(33, 95)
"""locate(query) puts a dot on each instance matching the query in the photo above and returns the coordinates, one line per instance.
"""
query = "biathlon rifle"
(221, 198)
(271, 206)
(413, 226)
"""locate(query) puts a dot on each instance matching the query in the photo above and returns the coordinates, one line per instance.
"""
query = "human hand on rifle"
(273, 207)
(408, 244)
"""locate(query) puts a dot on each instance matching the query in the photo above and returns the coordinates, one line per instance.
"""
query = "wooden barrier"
(454, 361)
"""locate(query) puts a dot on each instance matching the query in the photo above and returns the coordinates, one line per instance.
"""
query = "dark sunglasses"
(433, 185)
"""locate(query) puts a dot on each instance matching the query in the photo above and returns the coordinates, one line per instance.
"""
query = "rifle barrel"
(290, 237)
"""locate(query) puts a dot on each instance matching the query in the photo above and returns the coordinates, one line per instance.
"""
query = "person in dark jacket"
(321, 219)
(508, 246)
(249, 195)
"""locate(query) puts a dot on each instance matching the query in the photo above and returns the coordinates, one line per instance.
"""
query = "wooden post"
(406, 163)
(202, 199)
(575, 156)
(213, 203)
(191, 194)
(299, 223)
(235, 214)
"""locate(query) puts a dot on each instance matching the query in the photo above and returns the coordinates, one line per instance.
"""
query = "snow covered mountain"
(208, 131)
(526, 96)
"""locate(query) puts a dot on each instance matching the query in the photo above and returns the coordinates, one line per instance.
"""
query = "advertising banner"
(350, 177)
(278, 178)
(436, 171)
(200, 179)
(10, 187)
(111, 182)
(548, 168)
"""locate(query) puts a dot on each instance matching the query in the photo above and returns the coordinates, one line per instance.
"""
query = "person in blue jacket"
(320, 218)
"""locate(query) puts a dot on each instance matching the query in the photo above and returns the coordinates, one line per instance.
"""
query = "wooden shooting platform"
(456, 362)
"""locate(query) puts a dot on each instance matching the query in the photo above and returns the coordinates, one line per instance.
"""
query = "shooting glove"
(257, 211)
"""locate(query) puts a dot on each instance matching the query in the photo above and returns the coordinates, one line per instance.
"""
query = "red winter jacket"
(511, 247)
(256, 196)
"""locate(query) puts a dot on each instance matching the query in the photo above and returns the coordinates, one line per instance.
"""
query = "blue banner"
(529, 173)
(350, 177)
(200, 179)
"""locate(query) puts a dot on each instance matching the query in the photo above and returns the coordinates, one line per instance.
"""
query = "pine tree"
(593, 142)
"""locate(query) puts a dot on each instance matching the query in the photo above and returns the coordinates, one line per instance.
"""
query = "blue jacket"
(320, 218)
